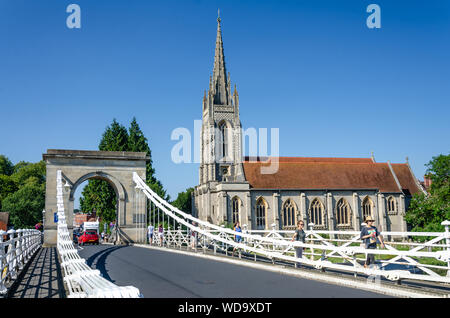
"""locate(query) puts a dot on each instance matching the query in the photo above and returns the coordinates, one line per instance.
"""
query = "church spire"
(220, 81)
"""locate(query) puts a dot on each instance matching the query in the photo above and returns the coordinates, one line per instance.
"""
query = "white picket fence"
(80, 279)
(15, 252)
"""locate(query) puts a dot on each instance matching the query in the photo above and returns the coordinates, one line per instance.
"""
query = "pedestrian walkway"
(41, 278)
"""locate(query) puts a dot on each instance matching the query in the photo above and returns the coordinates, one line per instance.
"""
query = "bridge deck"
(41, 278)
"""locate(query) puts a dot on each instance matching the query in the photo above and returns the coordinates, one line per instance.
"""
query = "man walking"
(150, 230)
(370, 236)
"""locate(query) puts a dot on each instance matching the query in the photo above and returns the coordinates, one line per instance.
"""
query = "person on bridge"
(299, 236)
(370, 236)
(150, 229)
(237, 238)
(161, 234)
(193, 237)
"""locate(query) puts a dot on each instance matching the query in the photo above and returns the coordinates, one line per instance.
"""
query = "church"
(331, 193)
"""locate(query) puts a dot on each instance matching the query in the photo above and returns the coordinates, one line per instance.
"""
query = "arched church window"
(261, 212)
(391, 205)
(316, 213)
(367, 208)
(342, 213)
(235, 206)
(289, 212)
(223, 139)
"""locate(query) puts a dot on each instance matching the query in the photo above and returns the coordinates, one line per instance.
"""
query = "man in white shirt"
(150, 229)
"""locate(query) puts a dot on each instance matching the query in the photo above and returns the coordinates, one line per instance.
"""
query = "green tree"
(184, 201)
(31, 170)
(6, 167)
(115, 138)
(137, 142)
(20, 165)
(426, 212)
(7, 186)
(22, 191)
(25, 205)
(100, 197)
(98, 194)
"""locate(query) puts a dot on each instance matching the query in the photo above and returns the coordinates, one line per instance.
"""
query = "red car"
(88, 237)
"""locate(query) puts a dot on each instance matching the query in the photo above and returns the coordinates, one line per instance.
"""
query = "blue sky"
(313, 69)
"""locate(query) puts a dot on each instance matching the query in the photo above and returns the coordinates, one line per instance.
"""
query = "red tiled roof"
(312, 159)
(323, 173)
(405, 177)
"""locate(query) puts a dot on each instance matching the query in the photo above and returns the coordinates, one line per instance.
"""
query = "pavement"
(40, 278)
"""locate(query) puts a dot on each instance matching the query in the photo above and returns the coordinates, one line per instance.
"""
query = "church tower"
(221, 137)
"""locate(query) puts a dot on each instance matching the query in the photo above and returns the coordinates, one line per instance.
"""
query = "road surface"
(170, 275)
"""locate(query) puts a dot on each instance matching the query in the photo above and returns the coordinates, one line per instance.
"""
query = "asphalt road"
(170, 275)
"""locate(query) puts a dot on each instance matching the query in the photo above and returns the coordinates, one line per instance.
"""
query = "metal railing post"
(311, 227)
(11, 255)
(446, 223)
(3, 264)
(204, 240)
(19, 250)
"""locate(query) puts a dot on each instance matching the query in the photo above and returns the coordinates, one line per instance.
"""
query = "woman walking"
(161, 234)
(237, 238)
(299, 236)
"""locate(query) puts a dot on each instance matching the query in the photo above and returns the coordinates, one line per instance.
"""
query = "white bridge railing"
(15, 253)
(81, 280)
(335, 250)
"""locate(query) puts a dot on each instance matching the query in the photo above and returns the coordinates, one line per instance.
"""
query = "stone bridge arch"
(78, 166)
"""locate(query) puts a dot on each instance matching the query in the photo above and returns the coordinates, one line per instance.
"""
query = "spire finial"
(218, 15)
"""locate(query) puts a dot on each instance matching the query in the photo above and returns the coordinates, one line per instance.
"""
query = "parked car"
(88, 236)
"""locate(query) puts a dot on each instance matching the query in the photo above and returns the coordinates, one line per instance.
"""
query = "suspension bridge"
(194, 258)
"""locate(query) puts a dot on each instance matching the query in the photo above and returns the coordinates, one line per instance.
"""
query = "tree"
(20, 165)
(98, 194)
(7, 187)
(184, 201)
(35, 170)
(25, 205)
(100, 197)
(426, 212)
(137, 142)
(115, 138)
(6, 167)
(22, 191)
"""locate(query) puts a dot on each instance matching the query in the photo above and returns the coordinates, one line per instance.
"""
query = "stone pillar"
(303, 210)
(275, 210)
(402, 212)
(208, 204)
(356, 216)
(248, 210)
(330, 214)
(224, 207)
(382, 212)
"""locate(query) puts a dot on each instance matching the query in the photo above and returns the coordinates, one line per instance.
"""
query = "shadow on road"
(101, 262)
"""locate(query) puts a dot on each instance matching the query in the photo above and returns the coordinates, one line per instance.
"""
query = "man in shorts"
(150, 229)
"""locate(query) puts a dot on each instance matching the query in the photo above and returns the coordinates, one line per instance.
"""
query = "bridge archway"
(77, 166)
